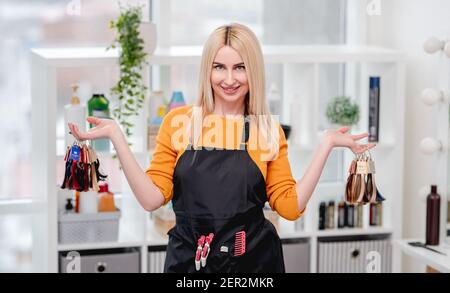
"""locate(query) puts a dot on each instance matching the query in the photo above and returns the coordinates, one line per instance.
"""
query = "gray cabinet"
(296, 254)
(122, 260)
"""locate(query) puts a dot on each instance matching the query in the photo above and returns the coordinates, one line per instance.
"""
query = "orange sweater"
(172, 141)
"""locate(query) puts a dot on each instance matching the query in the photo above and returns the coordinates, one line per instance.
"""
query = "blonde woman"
(220, 162)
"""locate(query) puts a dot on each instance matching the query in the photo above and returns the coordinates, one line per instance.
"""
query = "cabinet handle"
(355, 253)
(101, 267)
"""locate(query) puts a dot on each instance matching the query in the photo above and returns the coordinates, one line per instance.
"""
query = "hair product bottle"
(322, 215)
(433, 214)
(75, 113)
(98, 106)
(341, 214)
(330, 215)
(350, 216)
(373, 214)
(359, 216)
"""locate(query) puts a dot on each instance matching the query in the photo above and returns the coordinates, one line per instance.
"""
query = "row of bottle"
(91, 202)
(75, 112)
(347, 215)
(99, 106)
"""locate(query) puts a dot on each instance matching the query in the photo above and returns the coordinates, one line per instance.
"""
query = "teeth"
(230, 89)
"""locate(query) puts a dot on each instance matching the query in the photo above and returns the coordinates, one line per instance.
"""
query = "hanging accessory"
(81, 168)
(361, 187)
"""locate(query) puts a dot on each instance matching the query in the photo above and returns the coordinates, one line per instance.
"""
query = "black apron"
(221, 192)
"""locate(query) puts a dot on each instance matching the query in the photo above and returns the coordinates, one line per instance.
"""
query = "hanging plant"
(130, 88)
(342, 111)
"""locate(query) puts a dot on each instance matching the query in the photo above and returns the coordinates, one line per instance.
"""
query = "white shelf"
(435, 260)
(156, 239)
(185, 55)
(99, 245)
(353, 231)
(302, 66)
(77, 57)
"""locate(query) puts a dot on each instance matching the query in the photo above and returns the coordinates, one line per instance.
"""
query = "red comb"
(239, 243)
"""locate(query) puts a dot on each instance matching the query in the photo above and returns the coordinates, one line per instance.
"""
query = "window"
(39, 23)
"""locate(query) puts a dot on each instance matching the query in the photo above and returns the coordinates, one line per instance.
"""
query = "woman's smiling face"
(229, 77)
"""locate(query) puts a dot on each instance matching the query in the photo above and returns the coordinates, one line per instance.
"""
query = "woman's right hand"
(104, 128)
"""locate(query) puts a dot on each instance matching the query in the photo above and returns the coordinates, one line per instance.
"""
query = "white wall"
(405, 25)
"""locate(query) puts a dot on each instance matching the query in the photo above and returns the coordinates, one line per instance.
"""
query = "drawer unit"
(120, 260)
(296, 255)
(156, 259)
(354, 255)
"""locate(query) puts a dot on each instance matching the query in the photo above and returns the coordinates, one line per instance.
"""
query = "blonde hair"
(245, 42)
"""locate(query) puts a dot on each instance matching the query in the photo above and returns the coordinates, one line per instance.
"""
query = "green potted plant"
(341, 111)
(130, 89)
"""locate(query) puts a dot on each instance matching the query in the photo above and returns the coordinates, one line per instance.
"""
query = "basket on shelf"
(83, 228)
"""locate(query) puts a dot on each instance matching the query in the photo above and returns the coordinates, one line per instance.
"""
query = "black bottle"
(433, 215)
(322, 215)
(350, 216)
(341, 214)
(69, 205)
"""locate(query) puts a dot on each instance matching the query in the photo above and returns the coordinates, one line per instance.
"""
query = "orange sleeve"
(164, 159)
(280, 185)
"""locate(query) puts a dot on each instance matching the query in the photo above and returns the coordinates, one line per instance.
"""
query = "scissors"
(420, 244)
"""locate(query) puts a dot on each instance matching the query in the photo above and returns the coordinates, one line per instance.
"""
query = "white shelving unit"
(302, 66)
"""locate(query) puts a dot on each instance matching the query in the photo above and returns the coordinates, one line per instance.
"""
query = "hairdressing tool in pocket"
(239, 243)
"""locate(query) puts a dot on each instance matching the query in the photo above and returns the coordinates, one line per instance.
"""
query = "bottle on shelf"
(341, 214)
(88, 202)
(433, 217)
(77, 201)
(374, 108)
(375, 214)
(176, 101)
(330, 215)
(69, 206)
(359, 216)
(75, 113)
(105, 199)
(350, 216)
(379, 214)
(98, 106)
(322, 215)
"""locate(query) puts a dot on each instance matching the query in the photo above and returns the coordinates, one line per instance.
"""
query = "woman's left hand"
(341, 138)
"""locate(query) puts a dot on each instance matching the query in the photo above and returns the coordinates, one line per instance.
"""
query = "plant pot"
(148, 33)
